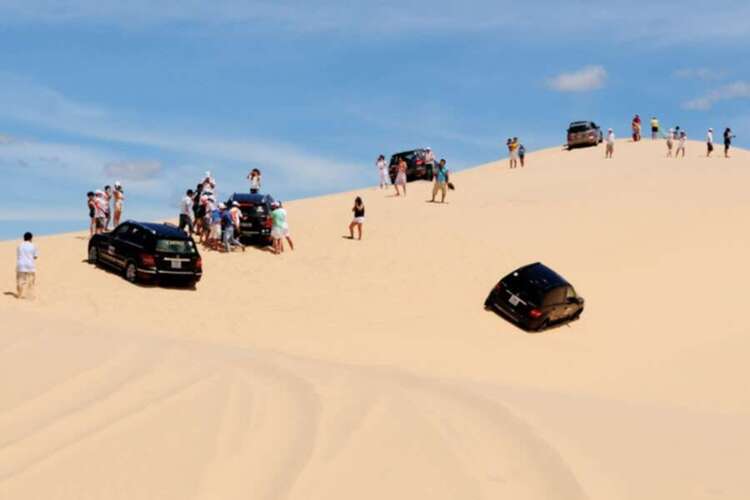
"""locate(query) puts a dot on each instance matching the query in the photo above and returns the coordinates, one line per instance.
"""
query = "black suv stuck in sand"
(148, 252)
(256, 216)
(416, 168)
(535, 297)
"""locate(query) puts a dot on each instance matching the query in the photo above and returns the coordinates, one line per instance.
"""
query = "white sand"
(369, 370)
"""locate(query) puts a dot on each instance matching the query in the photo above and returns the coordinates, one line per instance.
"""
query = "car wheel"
(93, 255)
(131, 272)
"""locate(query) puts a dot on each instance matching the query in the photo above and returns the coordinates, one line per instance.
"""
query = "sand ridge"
(369, 369)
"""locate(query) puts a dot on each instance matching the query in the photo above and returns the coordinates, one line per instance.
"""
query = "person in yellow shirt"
(654, 128)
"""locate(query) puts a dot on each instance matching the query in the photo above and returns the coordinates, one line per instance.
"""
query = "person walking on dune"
(279, 228)
(670, 142)
(513, 152)
(709, 142)
(359, 218)
(119, 197)
(654, 128)
(636, 126)
(26, 255)
(400, 177)
(610, 146)
(382, 171)
(681, 144)
(728, 136)
(522, 154)
(441, 182)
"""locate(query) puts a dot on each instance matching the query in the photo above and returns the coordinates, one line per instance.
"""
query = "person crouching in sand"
(359, 218)
(400, 177)
(279, 228)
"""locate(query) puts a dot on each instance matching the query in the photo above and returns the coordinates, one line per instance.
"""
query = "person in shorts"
(383, 171)
(441, 182)
(254, 178)
(91, 203)
(610, 144)
(400, 177)
(654, 128)
(681, 145)
(279, 228)
(100, 212)
(26, 255)
(186, 212)
(670, 142)
(522, 154)
(359, 218)
(709, 142)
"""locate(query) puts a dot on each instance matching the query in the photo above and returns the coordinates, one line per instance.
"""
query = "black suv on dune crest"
(584, 133)
(416, 168)
(535, 297)
(148, 252)
(256, 215)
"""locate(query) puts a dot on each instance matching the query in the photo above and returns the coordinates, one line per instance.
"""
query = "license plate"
(514, 300)
(176, 264)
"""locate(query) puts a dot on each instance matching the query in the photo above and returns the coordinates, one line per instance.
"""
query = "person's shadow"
(11, 294)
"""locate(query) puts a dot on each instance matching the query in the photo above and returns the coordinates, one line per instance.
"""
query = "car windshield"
(523, 288)
(175, 246)
(579, 127)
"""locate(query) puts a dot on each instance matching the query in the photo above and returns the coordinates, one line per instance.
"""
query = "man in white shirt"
(710, 142)
(186, 212)
(610, 144)
(26, 256)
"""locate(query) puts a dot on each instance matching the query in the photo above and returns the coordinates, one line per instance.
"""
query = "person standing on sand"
(100, 212)
(231, 225)
(108, 205)
(383, 171)
(610, 147)
(522, 154)
(727, 141)
(654, 128)
(26, 255)
(187, 215)
(429, 159)
(513, 152)
(636, 128)
(441, 182)
(681, 145)
(359, 218)
(400, 177)
(279, 228)
(254, 178)
(709, 142)
(91, 203)
(670, 142)
(119, 197)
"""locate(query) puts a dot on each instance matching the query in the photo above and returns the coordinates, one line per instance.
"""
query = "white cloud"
(707, 74)
(583, 80)
(133, 170)
(735, 90)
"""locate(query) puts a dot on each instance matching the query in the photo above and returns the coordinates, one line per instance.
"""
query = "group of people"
(105, 208)
(516, 152)
(674, 136)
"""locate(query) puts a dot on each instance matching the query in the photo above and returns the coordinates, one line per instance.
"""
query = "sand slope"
(370, 370)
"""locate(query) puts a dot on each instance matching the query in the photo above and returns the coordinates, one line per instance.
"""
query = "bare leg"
(351, 230)
(359, 227)
(288, 240)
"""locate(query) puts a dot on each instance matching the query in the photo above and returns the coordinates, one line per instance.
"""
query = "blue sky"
(155, 93)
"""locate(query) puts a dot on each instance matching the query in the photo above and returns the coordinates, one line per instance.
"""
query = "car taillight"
(148, 260)
(499, 287)
(535, 313)
(198, 264)
(268, 223)
(419, 162)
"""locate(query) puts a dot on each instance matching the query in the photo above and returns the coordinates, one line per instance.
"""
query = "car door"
(108, 250)
(120, 245)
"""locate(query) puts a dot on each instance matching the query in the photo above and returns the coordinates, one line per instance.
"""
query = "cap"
(221, 205)
(235, 203)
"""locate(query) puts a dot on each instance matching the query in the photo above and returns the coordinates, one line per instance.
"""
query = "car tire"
(93, 255)
(131, 272)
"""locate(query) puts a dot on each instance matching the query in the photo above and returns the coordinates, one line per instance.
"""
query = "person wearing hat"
(279, 228)
(230, 220)
(709, 142)
(610, 146)
(119, 197)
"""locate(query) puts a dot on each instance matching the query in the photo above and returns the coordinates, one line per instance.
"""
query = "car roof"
(541, 276)
(418, 150)
(251, 198)
(585, 122)
(160, 229)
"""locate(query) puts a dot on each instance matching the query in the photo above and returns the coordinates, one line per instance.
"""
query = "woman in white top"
(709, 142)
(681, 145)
(383, 170)
(254, 178)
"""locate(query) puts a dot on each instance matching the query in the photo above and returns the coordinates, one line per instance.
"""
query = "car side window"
(570, 293)
(122, 230)
(554, 296)
(137, 236)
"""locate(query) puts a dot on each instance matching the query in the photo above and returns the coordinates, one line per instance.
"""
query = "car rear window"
(582, 127)
(175, 246)
(520, 286)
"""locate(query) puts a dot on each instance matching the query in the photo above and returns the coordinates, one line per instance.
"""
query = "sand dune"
(370, 370)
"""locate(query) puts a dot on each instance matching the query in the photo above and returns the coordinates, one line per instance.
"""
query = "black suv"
(256, 215)
(416, 168)
(584, 134)
(535, 297)
(146, 251)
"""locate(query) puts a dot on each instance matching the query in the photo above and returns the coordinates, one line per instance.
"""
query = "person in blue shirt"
(441, 182)
(522, 153)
